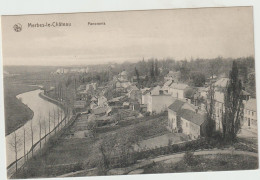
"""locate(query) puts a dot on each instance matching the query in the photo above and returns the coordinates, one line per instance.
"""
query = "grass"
(206, 163)
(16, 113)
(86, 151)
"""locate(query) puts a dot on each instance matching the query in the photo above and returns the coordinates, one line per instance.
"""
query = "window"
(248, 121)
(252, 113)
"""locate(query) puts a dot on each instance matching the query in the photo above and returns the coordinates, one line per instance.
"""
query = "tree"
(198, 79)
(31, 127)
(45, 129)
(233, 105)
(152, 70)
(54, 116)
(185, 71)
(137, 75)
(210, 109)
(15, 144)
(92, 126)
(24, 151)
(40, 132)
(215, 66)
(49, 119)
(156, 69)
(117, 148)
(58, 111)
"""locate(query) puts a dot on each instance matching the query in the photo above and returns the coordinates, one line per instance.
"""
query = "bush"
(147, 114)
(189, 158)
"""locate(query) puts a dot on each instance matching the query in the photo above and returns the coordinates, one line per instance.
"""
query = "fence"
(119, 161)
(58, 130)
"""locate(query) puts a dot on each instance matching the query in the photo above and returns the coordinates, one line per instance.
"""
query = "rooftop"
(177, 105)
(251, 104)
(192, 116)
(221, 82)
(180, 86)
(100, 110)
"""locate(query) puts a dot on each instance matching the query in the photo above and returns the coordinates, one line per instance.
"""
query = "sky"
(129, 36)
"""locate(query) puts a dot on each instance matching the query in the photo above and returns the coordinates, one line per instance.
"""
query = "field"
(219, 162)
(16, 113)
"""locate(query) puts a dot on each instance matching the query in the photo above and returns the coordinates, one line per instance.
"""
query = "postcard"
(129, 92)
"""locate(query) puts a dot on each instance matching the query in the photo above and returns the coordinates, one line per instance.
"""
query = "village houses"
(177, 90)
(121, 81)
(102, 101)
(250, 115)
(158, 101)
(185, 118)
(172, 76)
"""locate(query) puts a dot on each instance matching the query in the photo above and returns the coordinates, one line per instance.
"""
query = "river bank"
(33, 130)
(16, 112)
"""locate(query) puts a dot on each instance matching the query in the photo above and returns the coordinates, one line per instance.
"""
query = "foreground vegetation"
(64, 155)
(191, 163)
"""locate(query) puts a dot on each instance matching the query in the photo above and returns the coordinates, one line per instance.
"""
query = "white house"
(102, 101)
(219, 108)
(177, 90)
(250, 115)
(149, 91)
(159, 103)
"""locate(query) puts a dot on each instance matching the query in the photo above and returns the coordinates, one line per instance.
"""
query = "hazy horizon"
(129, 36)
(122, 62)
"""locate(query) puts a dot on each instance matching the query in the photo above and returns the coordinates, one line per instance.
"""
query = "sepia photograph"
(129, 92)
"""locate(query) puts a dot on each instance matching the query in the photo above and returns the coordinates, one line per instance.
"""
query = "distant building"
(91, 86)
(71, 70)
(166, 86)
(93, 99)
(135, 106)
(135, 80)
(102, 101)
(246, 95)
(219, 98)
(172, 76)
(159, 103)
(126, 104)
(219, 108)
(115, 101)
(177, 90)
(101, 111)
(250, 115)
(221, 83)
(145, 95)
(93, 105)
(80, 104)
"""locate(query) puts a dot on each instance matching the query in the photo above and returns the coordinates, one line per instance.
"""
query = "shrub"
(189, 158)
(147, 114)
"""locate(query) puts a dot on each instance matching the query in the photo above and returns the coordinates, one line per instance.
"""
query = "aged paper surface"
(131, 92)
